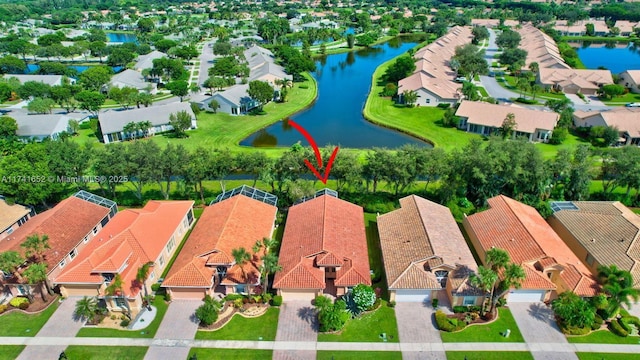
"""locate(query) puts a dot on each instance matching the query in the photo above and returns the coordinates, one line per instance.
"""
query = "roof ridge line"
(522, 223)
(422, 222)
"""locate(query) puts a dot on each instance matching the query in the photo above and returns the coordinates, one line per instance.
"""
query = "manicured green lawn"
(421, 122)
(605, 356)
(483, 92)
(621, 100)
(17, 323)
(10, 352)
(375, 252)
(367, 328)
(488, 355)
(106, 352)
(357, 355)
(241, 328)
(603, 337)
(487, 333)
(549, 150)
(227, 354)
(147, 332)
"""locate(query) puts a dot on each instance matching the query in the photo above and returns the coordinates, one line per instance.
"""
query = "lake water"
(336, 117)
(121, 37)
(617, 57)
(32, 68)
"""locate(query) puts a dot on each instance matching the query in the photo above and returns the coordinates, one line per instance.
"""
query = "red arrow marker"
(313, 144)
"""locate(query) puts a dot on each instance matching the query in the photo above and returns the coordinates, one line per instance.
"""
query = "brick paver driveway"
(179, 323)
(419, 337)
(61, 324)
(540, 331)
(296, 322)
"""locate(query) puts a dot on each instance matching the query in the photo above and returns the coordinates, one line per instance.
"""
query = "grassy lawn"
(17, 323)
(483, 92)
(421, 122)
(367, 328)
(375, 253)
(226, 354)
(605, 356)
(147, 332)
(487, 333)
(357, 355)
(603, 337)
(488, 355)
(106, 352)
(549, 150)
(10, 352)
(622, 100)
(509, 83)
(241, 328)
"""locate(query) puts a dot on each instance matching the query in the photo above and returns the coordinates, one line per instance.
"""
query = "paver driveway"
(540, 331)
(61, 324)
(296, 322)
(179, 323)
(420, 339)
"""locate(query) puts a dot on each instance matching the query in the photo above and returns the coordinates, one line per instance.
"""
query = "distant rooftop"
(249, 192)
(318, 193)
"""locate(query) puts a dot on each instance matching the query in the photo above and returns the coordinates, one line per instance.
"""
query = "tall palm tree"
(37, 274)
(485, 279)
(35, 246)
(512, 277)
(10, 262)
(142, 275)
(86, 308)
(241, 256)
(497, 259)
(618, 284)
(534, 67)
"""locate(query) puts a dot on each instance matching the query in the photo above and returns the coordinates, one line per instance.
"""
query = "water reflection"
(286, 126)
(264, 139)
(615, 56)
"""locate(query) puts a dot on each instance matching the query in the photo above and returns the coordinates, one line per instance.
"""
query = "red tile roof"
(66, 225)
(324, 230)
(526, 236)
(236, 222)
(132, 238)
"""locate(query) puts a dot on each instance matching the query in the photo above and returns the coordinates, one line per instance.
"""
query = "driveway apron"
(61, 324)
(540, 331)
(419, 337)
(296, 322)
(179, 323)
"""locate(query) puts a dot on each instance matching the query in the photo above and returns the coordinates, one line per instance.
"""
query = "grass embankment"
(622, 100)
(375, 254)
(17, 323)
(240, 328)
(599, 38)
(421, 122)
(491, 332)
(226, 131)
(105, 352)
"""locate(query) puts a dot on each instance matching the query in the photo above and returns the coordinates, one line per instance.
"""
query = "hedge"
(276, 301)
(446, 324)
(463, 309)
(625, 325)
(597, 322)
(615, 328)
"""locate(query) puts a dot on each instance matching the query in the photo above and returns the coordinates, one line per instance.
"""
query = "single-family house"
(425, 255)
(132, 238)
(631, 80)
(41, 126)
(112, 122)
(51, 80)
(262, 66)
(573, 81)
(146, 61)
(626, 27)
(70, 226)
(625, 119)
(12, 216)
(431, 91)
(238, 219)
(486, 119)
(323, 250)
(600, 233)
(549, 264)
(234, 100)
(133, 79)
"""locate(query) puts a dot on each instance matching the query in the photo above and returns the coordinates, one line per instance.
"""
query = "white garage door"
(525, 296)
(413, 296)
(298, 295)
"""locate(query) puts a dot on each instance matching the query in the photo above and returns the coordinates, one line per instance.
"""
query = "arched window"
(441, 276)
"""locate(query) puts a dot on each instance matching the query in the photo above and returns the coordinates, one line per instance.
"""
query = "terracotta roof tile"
(10, 214)
(523, 233)
(236, 222)
(323, 225)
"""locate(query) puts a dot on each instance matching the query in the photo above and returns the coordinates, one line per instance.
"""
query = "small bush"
(125, 322)
(155, 287)
(624, 324)
(18, 301)
(632, 320)
(444, 105)
(3, 308)
(303, 86)
(446, 324)
(459, 309)
(526, 101)
(237, 303)
(391, 304)
(434, 303)
(232, 297)
(266, 298)
(576, 330)
(597, 323)
(615, 328)
(277, 300)
(167, 297)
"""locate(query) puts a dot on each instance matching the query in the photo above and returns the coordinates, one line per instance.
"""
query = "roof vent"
(110, 236)
(593, 240)
(512, 239)
(621, 240)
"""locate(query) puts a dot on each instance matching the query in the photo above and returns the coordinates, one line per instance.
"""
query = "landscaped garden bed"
(493, 331)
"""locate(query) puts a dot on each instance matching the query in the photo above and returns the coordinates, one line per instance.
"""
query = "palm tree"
(523, 86)
(86, 308)
(37, 274)
(142, 276)
(35, 246)
(618, 284)
(497, 259)
(535, 88)
(485, 280)
(269, 260)
(241, 256)
(10, 262)
(410, 97)
(512, 277)
(144, 126)
(534, 67)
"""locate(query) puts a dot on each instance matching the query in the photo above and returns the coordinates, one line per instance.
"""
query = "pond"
(121, 37)
(616, 57)
(336, 117)
(33, 68)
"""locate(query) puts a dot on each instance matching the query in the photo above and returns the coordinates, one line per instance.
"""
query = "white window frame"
(171, 244)
(73, 253)
(590, 260)
(10, 230)
(62, 263)
(86, 239)
(161, 260)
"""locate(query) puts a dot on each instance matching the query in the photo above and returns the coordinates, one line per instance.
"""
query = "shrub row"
(617, 329)
(526, 101)
(446, 324)
(463, 309)
(597, 322)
